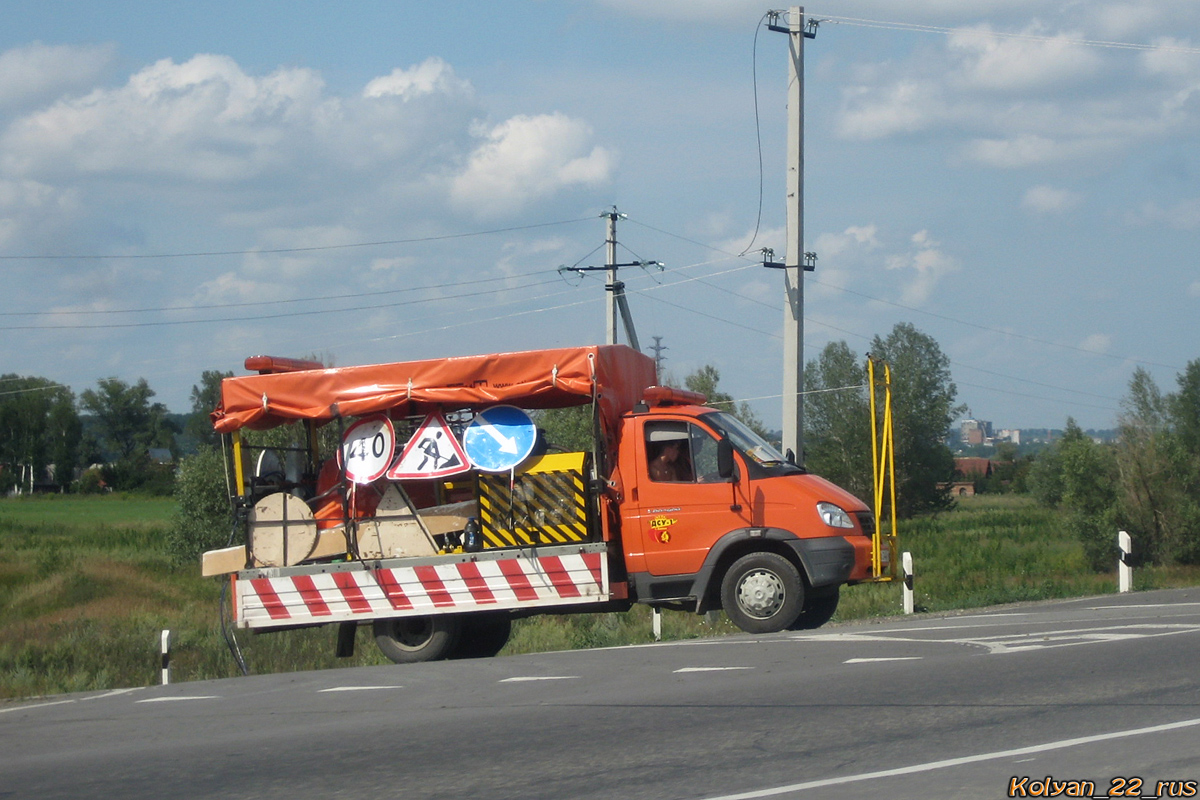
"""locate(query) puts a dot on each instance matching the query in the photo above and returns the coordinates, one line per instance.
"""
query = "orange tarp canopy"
(533, 379)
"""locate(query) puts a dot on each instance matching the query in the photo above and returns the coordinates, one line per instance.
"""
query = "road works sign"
(432, 452)
(499, 438)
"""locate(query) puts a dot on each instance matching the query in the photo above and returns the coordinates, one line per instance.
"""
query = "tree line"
(51, 440)
(1147, 481)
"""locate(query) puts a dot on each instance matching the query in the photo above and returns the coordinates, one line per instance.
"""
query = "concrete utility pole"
(796, 261)
(615, 303)
(610, 261)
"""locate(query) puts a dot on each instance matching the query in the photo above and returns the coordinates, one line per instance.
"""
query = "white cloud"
(432, 76)
(530, 157)
(204, 119)
(928, 263)
(1097, 343)
(37, 71)
(1024, 151)
(1184, 216)
(906, 106)
(1034, 97)
(1020, 65)
(1048, 200)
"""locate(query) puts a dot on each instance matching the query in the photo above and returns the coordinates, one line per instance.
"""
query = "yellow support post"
(239, 472)
(883, 471)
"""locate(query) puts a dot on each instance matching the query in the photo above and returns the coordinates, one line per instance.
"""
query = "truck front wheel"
(408, 640)
(762, 593)
(817, 610)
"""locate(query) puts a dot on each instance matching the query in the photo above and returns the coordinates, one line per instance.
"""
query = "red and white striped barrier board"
(350, 592)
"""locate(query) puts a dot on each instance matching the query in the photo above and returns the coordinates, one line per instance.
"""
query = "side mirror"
(725, 463)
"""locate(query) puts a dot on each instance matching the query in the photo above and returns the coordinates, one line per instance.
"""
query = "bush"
(202, 521)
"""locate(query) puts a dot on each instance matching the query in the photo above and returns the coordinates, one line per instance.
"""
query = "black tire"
(762, 593)
(817, 610)
(409, 640)
(483, 635)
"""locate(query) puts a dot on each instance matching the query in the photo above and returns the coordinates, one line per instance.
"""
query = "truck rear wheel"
(762, 593)
(409, 640)
(483, 635)
(817, 610)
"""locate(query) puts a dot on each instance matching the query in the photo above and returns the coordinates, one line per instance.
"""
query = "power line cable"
(757, 131)
(211, 306)
(1033, 37)
(272, 251)
(292, 314)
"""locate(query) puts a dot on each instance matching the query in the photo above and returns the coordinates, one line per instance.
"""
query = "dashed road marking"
(710, 669)
(527, 678)
(873, 660)
(181, 698)
(357, 688)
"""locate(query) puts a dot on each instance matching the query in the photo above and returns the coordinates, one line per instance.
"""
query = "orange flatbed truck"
(677, 505)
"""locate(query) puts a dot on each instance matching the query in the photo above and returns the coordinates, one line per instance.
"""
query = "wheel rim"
(761, 593)
(413, 633)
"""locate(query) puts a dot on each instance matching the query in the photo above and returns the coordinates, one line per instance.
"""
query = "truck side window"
(704, 455)
(679, 452)
(668, 452)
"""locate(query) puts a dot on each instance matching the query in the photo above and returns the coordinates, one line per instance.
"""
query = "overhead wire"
(278, 250)
(287, 315)
(985, 32)
(248, 304)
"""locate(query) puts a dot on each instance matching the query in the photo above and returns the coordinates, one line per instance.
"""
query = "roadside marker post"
(907, 564)
(656, 616)
(1124, 568)
(166, 657)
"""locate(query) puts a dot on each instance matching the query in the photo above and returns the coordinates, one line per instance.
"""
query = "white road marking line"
(356, 688)
(873, 660)
(526, 678)
(114, 693)
(35, 705)
(1147, 605)
(180, 698)
(709, 669)
(956, 762)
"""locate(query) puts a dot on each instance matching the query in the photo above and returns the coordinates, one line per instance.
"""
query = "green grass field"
(86, 586)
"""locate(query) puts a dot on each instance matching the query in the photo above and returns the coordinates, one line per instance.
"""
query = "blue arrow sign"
(499, 438)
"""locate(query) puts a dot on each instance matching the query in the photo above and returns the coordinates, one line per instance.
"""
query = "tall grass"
(86, 585)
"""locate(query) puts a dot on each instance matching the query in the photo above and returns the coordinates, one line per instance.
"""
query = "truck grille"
(867, 520)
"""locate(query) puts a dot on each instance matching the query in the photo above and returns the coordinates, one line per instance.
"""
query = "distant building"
(975, 431)
(1009, 435)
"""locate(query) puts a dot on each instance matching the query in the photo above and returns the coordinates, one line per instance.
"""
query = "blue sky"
(1030, 201)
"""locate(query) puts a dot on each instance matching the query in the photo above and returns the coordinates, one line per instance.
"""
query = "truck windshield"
(751, 445)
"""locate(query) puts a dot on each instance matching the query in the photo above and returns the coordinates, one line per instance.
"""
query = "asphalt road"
(933, 706)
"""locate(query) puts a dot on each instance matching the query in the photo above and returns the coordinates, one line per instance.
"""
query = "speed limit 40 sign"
(368, 447)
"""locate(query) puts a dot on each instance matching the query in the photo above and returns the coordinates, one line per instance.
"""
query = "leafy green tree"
(129, 422)
(206, 395)
(705, 381)
(1089, 480)
(1159, 472)
(923, 409)
(568, 429)
(837, 420)
(38, 427)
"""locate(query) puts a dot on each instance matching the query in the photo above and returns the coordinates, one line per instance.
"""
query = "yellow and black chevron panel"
(546, 503)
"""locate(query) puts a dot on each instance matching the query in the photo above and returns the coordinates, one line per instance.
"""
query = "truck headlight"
(834, 516)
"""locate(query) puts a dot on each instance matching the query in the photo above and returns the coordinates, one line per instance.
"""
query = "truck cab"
(714, 516)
